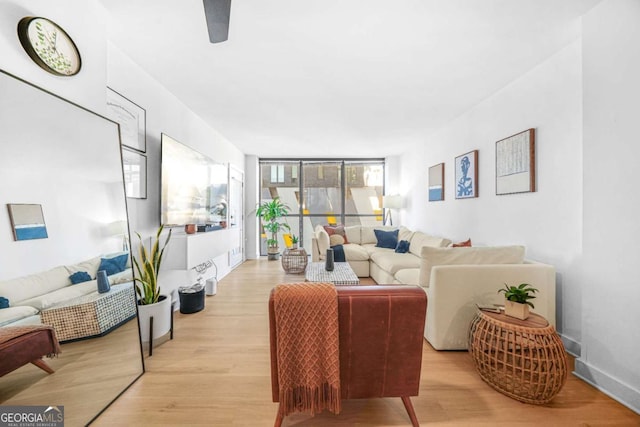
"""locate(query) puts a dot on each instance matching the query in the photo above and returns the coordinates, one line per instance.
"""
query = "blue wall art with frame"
(436, 182)
(27, 221)
(466, 175)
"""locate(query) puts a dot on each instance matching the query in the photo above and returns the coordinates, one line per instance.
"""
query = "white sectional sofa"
(31, 294)
(455, 279)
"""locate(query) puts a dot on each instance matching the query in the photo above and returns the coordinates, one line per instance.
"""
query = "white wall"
(611, 287)
(164, 114)
(104, 65)
(583, 103)
(549, 221)
(84, 21)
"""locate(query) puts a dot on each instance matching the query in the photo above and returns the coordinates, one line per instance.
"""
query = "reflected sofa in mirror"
(65, 161)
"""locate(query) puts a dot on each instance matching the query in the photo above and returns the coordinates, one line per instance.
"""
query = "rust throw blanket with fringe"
(8, 333)
(308, 351)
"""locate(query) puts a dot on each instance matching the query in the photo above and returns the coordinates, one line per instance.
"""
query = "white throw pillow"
(430, 257)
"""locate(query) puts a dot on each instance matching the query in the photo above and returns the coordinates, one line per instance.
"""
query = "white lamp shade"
(392, 202)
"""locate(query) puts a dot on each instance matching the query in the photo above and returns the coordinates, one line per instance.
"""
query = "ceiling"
(354, 78)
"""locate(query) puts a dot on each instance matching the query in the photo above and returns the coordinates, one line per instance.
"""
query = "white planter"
(515, 309)
(161, 312)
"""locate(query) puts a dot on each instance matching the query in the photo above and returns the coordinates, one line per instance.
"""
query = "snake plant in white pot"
(151, 303)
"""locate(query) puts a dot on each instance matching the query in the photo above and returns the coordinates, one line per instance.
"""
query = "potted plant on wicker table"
(517, 298)
(151, 303)
(271, 213)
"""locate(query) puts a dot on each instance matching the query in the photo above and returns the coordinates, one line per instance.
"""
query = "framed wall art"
(132, 119)
(515, 163)
(436, 182)
(27, 221)
(466, 175)
(134, 166)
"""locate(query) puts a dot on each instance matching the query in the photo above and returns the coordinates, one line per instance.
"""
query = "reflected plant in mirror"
(67, 160)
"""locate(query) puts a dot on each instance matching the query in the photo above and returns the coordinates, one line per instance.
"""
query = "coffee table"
(342, 274)
(92, 315)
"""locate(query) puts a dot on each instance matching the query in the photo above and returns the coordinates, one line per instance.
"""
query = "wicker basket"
(294, 261)
(523, 359)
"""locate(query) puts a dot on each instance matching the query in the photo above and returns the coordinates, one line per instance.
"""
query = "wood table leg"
(409, 407)
(43, 365)
(279, 417)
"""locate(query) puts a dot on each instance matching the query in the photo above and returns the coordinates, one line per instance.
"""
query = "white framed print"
(132, 119)
(134, 167)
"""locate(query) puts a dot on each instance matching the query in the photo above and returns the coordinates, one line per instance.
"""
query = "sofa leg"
(279, 417)
(409, 407)
(43, 365)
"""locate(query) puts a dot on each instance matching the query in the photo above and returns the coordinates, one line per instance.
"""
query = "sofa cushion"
(353, 252)
(90, 266)
(404, 233)
(402, 247)
(368, 235)
(386, 239)
(352, 234)
(335, 240)
(79, 277)
(392, 262)
(30, 286)
(408, 276)
(59, 296)
(114, 265)
(13, 314)
(4, 302)
(466, 243)
(420, 239)
(336, 230)
(432, 257)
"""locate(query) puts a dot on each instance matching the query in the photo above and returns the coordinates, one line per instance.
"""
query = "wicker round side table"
(523, 359)
(294, 261)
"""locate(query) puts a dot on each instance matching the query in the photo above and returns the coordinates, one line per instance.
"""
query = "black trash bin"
(191, 299)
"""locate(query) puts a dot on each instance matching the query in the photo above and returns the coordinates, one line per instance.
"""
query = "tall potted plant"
(151, 303)
(271, 213)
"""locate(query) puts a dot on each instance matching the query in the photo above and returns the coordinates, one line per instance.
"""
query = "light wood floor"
(216, 372)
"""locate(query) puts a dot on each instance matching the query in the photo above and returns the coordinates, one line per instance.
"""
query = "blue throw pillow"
(386, 239)
(4, 303)
(403, 247)
(114, 265)
(79, 277)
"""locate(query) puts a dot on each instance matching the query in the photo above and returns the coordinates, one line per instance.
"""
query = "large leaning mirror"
(62, 219)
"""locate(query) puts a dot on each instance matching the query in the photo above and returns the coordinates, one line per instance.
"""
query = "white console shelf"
(186, 251)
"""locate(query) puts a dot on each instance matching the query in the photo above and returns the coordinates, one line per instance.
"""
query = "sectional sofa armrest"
(315, 250)
(455, 290)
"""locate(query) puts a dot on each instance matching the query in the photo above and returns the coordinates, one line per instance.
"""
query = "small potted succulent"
(294, 241)
(517, 300)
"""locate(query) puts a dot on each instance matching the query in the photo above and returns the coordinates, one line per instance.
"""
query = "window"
(323, 191)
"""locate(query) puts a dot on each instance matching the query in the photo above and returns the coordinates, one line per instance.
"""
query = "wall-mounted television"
(194, 187)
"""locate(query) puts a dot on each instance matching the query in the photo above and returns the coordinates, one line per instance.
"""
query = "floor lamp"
(388, 203)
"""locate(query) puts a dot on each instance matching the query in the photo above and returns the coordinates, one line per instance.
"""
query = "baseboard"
(571, 346)
(610, 386)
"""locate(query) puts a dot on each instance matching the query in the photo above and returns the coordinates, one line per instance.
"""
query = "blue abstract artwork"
(27, 221)
(466, 175)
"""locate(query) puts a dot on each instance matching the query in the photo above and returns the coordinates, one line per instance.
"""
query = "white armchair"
(454, 290)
